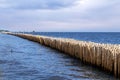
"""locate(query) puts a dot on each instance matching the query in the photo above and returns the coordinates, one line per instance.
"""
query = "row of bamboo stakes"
(104, 56)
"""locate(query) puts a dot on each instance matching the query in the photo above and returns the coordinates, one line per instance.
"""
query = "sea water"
(21, 59)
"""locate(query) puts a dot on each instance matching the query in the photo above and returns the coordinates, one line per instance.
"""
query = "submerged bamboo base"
(105, 56)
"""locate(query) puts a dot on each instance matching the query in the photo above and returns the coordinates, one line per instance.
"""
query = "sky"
(60, 15)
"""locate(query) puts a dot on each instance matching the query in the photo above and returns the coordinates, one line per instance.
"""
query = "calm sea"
(99, 37)
(21, 59)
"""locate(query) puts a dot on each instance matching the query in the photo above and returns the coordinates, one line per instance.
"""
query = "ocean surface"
(99, 37)
(21, 59)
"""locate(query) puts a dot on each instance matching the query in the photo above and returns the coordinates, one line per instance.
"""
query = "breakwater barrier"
(104, 56)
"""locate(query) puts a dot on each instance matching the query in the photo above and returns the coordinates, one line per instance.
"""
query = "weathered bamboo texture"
(104, 56)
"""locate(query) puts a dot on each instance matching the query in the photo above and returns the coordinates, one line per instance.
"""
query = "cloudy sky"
(60, 15)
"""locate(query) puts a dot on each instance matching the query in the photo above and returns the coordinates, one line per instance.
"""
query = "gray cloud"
(89, 15)
(36, 4)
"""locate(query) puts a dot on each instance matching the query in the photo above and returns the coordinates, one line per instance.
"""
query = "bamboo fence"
(104, 56)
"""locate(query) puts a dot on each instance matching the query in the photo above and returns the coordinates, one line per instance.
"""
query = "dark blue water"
(103, 37)
(21, 59)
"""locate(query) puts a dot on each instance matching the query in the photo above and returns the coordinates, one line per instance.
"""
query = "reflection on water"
(31, 61)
